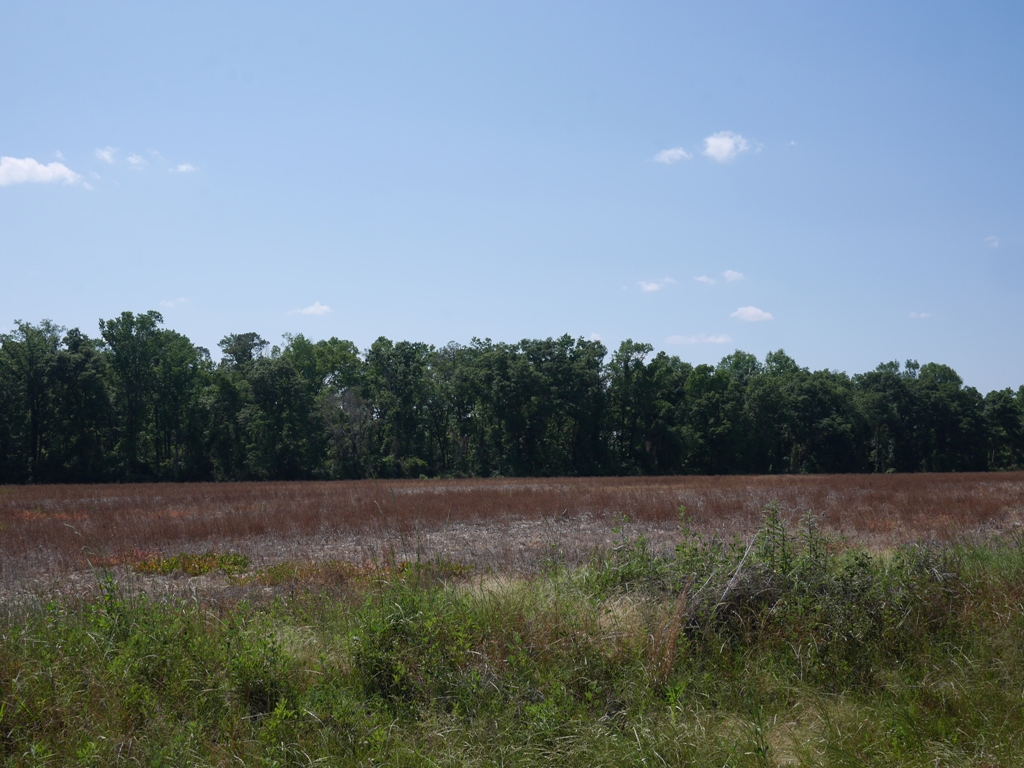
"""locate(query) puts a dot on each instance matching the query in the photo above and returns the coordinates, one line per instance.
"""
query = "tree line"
(141, 402)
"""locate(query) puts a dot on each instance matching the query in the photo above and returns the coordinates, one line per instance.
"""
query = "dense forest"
(142, 403)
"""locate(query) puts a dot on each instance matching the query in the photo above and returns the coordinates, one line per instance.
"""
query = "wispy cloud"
(700, 338)
(314, 309)
(59, 155)
(724, 146)
(106, 154)
(670, 156)
(136, 161)
(173, 302)
(185, 168)
(993, 241)
(921, 315)
(595, 337)
(731, 275)
(705, 279)
(25, 170)
(656, 285)
(752, 314)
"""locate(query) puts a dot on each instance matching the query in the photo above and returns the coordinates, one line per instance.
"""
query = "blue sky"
(840, 180)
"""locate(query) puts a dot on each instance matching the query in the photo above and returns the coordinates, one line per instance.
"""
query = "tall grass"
(786, 647)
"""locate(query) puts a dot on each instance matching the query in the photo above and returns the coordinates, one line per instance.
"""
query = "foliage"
(141, 402)
(192, 565)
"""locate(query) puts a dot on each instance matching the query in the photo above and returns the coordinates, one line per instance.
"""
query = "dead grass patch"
(505, 524)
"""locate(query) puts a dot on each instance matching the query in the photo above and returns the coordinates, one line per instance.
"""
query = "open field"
(502, 525)
(516, 623)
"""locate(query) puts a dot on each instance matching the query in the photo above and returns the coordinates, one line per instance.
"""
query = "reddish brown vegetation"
(50, 529)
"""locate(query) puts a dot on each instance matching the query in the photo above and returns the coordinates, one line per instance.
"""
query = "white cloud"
(670, 156)
(993, 241)
(25, 170)
(314, 309)
(724, 146)
(705, 279)
(700, 338)
(920, 315)
(106, 154)
(137, 161)
(185, 168)
(59, 155)
(173, 302)
(752, 314)
(731, 275)
(649, 286)
(595, 337)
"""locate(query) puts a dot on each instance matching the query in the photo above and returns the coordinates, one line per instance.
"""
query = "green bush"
(411, 642)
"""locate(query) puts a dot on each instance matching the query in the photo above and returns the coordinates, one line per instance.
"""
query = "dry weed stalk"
(667, 640)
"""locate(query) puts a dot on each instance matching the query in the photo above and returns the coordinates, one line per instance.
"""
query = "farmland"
(796, 620)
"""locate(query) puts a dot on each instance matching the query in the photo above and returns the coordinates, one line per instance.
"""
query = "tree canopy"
(142, 402)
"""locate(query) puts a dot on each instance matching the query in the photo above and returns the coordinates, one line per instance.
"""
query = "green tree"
(828, 430)
(647, 433)
(179, 373)
(241, 349)
(27, 356)
(333, 372)
(83, 411)
(1004, 417)
(951, 419)
(396, 385)
(132, 342)
(713, 415)
(284, 436)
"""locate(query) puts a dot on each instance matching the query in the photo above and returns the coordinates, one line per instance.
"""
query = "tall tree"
(952, 420)
(396, 385)
(1004, 417)
(28, 355)
(179, 373)
(132, 342)
(83, 411)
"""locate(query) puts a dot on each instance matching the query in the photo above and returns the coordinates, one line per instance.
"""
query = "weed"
(192, 565)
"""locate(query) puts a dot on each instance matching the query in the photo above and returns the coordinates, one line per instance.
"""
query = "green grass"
(790, 650)
(192, 565)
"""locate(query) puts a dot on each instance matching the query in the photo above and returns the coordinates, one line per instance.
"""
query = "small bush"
(260, 675)
(192, 565)
(411, 643)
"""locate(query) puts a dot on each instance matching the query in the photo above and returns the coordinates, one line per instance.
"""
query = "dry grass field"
(433, 623)
(48, 532)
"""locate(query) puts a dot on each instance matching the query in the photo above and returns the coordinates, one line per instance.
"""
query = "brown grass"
(49, 530)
